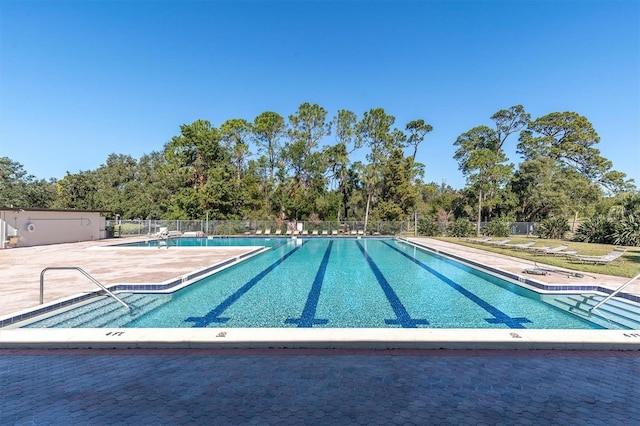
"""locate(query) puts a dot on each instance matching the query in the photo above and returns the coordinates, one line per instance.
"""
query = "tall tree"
(397, 191)
(77, 191)
(114, 180)
(482, 163)
(21, 189)
(565, 142)
(235, 134)
(268, 128)
(151, 196)
(568, 139)
(375, 131)
(339, 154)
(198, 168)
(509, 121)
(417, 130)
(307, 127)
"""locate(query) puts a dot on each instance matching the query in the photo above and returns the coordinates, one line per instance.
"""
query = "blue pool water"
(211, 242)
(344, 282)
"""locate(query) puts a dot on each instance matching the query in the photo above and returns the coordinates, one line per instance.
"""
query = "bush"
(554, 228)
(428, 228)
(497, 228)
(597, 229)
(461, 228)
(627, 231)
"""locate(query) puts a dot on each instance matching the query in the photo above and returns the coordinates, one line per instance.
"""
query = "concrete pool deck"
(19, 290)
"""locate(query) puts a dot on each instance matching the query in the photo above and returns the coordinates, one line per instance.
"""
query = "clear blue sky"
(81, 80)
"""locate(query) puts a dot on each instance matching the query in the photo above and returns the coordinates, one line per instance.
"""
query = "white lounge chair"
(521, 246)
(278, 231)
(305, 232)
(325, 232)
(164, 231)
(601, 260)
(549, 250)
(483, 240)
(499, 243)
(314, 232)
(259, 232)
(267, 231)
(334, 232)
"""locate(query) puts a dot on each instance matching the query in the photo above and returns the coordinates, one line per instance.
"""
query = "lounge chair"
(521, 246)
(360, 232)
(305, 232)
(259, 232)
(499, 243)
(549, 250)
(278, 231)
(484, 240)
(267, 231)
(289, 232)
(600, 260)
(535, 249)
(334, 232)
(314, 232)
(325, 232)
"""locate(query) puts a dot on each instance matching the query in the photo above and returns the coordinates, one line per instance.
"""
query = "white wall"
(40, 227)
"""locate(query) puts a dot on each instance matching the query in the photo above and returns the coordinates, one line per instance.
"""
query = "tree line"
(280, 168)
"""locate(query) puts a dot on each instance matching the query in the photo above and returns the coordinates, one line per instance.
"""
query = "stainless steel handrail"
(83, 272)
(618, 290)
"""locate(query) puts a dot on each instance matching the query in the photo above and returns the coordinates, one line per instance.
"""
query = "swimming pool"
(334, 283)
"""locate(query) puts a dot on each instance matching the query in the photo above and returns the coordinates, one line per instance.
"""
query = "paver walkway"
(211, 387)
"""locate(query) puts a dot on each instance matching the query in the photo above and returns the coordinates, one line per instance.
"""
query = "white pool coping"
(326, 338)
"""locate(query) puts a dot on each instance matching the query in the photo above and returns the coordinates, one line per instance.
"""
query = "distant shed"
(35, 227)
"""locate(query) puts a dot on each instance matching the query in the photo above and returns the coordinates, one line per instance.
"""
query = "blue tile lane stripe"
(308, 317)
(214, 315)
(500, 317)
(403, 317)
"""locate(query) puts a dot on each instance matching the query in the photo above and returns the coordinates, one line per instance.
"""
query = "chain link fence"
(128, 228)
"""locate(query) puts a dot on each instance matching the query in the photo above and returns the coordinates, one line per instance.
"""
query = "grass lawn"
(627, 266)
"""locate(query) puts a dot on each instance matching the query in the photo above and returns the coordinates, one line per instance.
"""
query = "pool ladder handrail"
(618, 290)
(83, 272)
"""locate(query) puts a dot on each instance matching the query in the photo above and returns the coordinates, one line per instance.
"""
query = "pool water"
(343, 282)
(210, 242)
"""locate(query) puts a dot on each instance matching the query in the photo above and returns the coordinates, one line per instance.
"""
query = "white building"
(34, 227)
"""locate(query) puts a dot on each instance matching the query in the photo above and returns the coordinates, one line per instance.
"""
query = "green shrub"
(429, 228)
(627, 231)
(553, 227)
(497, 228)
(461, 228)
(597, 229)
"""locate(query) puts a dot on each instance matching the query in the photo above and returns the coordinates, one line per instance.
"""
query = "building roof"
(18, 209)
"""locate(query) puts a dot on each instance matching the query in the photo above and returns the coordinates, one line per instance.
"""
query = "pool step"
(120, 318)
(71, 319)
(624, 314)
(102, 312)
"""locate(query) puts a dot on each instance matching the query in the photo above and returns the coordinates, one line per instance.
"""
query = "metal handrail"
(83, 272)
(618, 290)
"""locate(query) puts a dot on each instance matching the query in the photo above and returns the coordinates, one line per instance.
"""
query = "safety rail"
(618, 290)
(83, 272)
